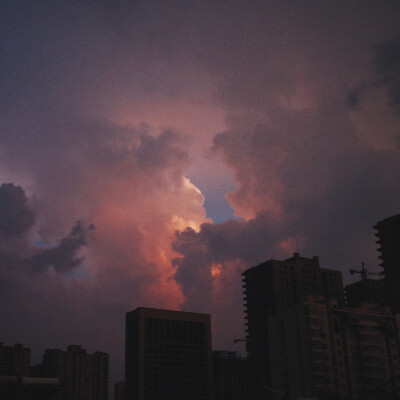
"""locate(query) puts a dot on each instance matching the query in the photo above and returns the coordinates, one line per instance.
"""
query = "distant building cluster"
(307, 337)
(63, 375)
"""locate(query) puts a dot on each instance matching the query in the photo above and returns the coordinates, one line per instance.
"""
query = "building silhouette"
(119, 391)
(82, 376)
(388, 234)
(27, 388)
(305, 341)
(271, 288)
(16, 380)
(366, 346)
(231, 376)
(366, 290)
(321, 350)
(15, 360)
(167, 355)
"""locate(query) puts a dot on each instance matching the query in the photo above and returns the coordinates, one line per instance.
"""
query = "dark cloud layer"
(106, 107)
(388, 66)
(16, 217)
(64, 256)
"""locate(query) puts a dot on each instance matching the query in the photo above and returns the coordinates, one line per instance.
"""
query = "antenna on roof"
(364, 272)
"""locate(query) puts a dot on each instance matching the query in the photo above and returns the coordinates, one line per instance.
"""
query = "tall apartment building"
(82, 376)
(272, 287)
(366, 341)
(388, 233)
(15, 360)
(167, 355)
(321, 350)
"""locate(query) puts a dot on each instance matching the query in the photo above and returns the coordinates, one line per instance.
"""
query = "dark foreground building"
(231, 376)
(26, 388)
(271, 288)
(388, 234)
(367, 290)
(167, 355)
(119, 391)
(305, 342)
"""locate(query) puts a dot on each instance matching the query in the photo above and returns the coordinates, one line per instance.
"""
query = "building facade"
(388, 234)
(15, 360)
(167, 355)
(231, 376)
(366, 291)
(320, 350)
(306, 342)
(82, 376)
(366, 343)
(119, 390)
(271, 288)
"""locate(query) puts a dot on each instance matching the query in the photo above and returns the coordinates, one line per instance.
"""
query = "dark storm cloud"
(16, 217)
(387, 75)
(63, 257)
(388, 67)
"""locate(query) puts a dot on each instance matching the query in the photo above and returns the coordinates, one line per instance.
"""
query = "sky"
(150, 151)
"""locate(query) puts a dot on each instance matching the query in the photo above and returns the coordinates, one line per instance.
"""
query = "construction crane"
(364, 272)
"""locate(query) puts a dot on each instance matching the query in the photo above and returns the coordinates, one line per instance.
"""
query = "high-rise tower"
(388, 233)
(167, 355)
(273, 287)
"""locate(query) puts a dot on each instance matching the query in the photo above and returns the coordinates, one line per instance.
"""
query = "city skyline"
(150, 151)
(305, 330)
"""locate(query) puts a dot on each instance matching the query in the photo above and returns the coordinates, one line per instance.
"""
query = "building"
(82, 376)
(271, 288)
(231, 376)
(366, 291)
(300, 349)
(167, 355)
(304, 341)
(26, 388)
(119, 391)
(388, 233)
(15, 360)
(324, 351)
(366, 346)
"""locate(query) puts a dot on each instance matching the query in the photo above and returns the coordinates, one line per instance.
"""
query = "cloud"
(108, 109)
(129, 181)
(388, 67)
(16, 217)
(312, 174)
(64, 256)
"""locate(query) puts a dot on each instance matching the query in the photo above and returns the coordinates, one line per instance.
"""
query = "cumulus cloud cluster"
(112, 110)
(312, 137)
